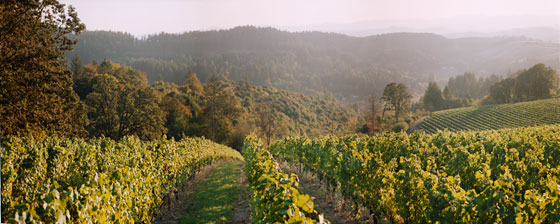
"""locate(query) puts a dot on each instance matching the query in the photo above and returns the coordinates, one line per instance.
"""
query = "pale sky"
(141, 17)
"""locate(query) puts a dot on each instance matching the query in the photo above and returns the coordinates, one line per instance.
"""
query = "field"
(491, 117)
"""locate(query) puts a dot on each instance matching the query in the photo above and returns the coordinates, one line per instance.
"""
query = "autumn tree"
(122, 103)
(36, 92)
(192, 84)
(396, 98)
(177, 115)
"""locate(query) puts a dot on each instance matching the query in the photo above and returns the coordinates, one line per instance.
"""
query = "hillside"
(297, 114)
(539, 112)
(315, 62)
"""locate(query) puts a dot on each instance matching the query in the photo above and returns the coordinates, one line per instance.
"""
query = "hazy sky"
(150, 16)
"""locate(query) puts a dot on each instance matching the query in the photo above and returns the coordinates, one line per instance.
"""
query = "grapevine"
(51, 179)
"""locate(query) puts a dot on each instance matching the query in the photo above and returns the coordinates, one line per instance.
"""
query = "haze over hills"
(315, 62)
(541, 27)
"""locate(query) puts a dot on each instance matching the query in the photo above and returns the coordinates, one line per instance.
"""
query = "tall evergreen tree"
(221, 109)
(76, 66)
(433, 98)
(35, 83)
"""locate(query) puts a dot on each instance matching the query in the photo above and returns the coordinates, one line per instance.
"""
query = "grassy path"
(216, 194)
(215, 198)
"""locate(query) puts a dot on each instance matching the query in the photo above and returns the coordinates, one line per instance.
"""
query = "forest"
(350, 68)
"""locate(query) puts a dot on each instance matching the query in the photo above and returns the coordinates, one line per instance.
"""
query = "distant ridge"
(316, 62)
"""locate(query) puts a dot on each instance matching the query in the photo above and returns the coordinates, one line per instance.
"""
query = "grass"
(214, 199)
(533, 113)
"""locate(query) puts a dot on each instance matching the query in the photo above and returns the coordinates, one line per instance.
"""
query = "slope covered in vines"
(539, 112)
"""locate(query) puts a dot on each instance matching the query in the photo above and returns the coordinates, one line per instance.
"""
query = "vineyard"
(50, 179)
(275, 195)
(497, 176)
(540, 112)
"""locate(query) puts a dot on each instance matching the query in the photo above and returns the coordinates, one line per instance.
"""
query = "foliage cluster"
(35, 83)
(537, 82)
(468, 86)
(227, 111)
(119, 101)
(503, 176)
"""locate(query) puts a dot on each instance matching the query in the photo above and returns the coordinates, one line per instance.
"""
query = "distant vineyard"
(494, 116)
(503, 176)
(49, 179)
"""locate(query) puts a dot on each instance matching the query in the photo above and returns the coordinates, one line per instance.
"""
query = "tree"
(121, 103)
(268, 121)
(397, 98)
(463, 85)
(76, 66)
(193, 84)
(539, 82)
(221, 109)
(433, 98)
(372, 115)
(35, 84)
(446, 93)
(177, 115)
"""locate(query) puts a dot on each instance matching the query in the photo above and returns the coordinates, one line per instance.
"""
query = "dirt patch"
(242, 211)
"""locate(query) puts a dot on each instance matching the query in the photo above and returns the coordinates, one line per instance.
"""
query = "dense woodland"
(120, 102)
(350, 68)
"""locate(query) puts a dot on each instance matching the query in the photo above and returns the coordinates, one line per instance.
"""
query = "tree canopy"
(120, 102)
(538, 82)
(397, 98)
(433, 98)
(36, 92)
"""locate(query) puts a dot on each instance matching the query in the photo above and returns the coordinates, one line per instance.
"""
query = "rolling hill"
(351, 68)
(533, 113)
